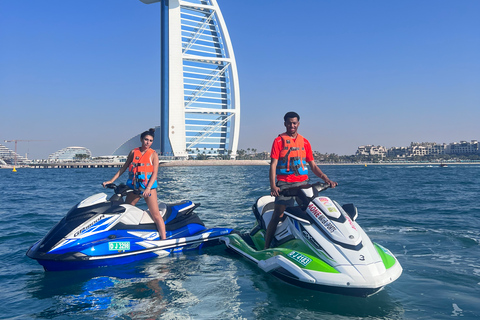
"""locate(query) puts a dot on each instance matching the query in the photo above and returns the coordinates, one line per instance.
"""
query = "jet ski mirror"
(351, 210)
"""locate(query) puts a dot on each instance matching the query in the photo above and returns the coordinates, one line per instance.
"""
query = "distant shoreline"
(194, 163)
(199, 163)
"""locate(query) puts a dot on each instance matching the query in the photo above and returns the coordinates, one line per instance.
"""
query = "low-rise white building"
(371, 150)
(10, 157)
(70, 154)
(421, 149)
(463, 147)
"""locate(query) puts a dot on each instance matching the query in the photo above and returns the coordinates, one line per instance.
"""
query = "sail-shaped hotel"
(200, 98)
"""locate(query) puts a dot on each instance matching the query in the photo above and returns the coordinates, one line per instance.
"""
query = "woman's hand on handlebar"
(104, 184)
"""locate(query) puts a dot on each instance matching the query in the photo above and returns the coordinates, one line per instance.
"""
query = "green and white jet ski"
(318, 245)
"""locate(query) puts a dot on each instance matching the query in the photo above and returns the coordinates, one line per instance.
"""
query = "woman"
(142, 164)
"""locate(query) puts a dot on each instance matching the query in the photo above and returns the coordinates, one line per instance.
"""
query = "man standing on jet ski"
(288, 168)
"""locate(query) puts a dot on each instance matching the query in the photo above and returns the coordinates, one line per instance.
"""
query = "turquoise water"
(428, 216)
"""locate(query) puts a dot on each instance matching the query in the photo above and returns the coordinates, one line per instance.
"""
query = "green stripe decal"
(294, 250)
(387, 258)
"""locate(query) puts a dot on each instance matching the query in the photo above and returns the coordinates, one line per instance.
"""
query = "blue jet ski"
(98, 232)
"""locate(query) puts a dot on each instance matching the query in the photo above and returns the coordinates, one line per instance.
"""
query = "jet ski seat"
(263, 210)
(264, 205)
(142, 217)
(147, 218)
(283, 232)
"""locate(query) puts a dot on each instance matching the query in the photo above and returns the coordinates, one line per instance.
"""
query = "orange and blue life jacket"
(292, 156)
(141, 169)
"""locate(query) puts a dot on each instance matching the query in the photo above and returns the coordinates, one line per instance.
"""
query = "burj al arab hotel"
(200, 98)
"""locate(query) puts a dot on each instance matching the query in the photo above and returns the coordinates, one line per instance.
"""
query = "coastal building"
(10, 157)
(70, 154)
(397, 152)
(437, 149)
(371, 150)
(426, 148)
(200, 96)
(111, 159)
(464, 147)
(420, 149)
(417, 150)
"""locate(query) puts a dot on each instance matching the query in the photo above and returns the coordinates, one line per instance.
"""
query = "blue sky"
(87, 73)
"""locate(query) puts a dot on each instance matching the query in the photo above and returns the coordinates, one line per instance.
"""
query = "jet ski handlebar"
(122, 189)
(319, 186)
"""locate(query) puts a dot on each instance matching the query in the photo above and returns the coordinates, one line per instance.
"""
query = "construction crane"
(15, 163)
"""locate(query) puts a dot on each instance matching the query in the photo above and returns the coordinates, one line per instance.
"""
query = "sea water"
(428, 216)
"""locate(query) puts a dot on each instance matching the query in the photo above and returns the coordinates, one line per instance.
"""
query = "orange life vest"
(141, 168)
(292, 156)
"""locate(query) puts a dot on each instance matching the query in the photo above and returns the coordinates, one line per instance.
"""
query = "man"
(289, 157)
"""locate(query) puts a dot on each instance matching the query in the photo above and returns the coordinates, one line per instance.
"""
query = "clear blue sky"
(87, 73)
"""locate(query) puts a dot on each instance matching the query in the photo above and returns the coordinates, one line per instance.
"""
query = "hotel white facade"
(200, 96)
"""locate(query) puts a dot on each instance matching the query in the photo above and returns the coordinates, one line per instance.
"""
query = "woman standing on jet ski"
(142, 164)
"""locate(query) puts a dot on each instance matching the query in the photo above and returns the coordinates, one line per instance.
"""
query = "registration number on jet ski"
(119, 246)
(300, 258)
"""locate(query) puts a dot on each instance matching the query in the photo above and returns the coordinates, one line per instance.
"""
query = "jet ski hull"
(100, 256)
(297, 265)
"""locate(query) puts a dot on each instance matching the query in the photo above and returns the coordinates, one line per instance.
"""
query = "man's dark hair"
(291, 114)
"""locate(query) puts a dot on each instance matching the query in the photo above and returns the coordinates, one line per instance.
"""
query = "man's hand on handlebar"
(331, 183)
(275, 191)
